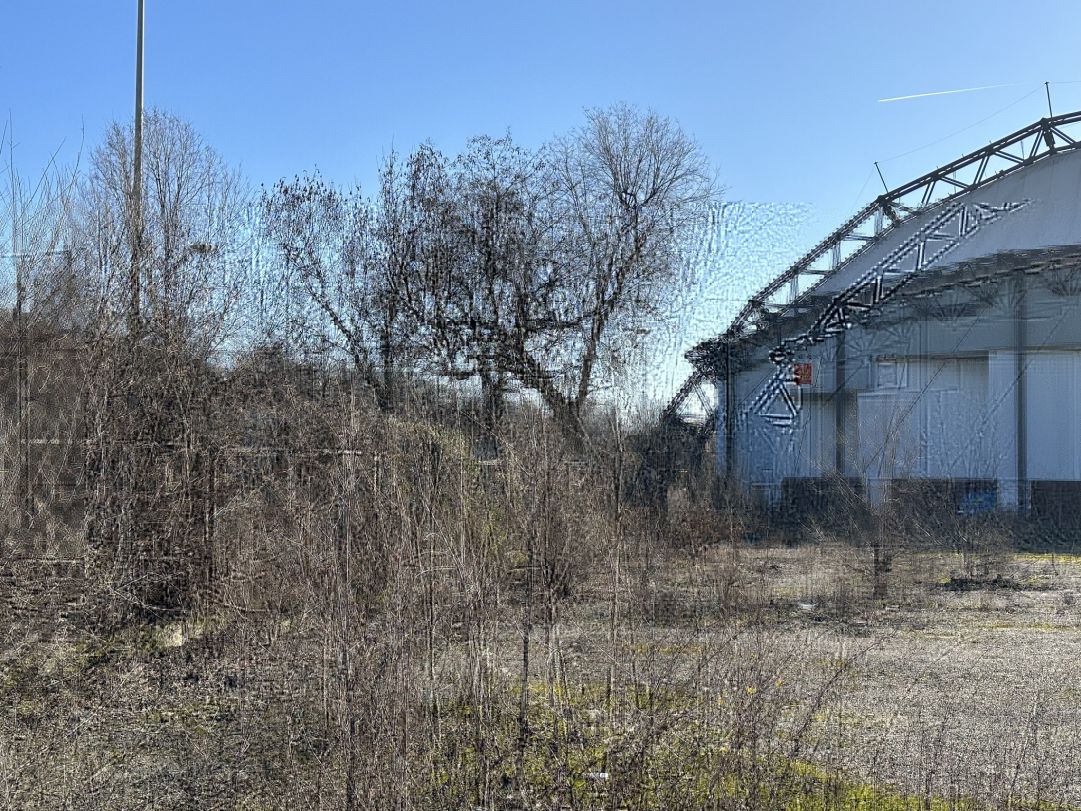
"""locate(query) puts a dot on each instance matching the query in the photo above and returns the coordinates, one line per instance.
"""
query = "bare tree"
(547, 267)
(153, 371)
(472, 234)
(631, 187)
(194, 242)
(328, 243)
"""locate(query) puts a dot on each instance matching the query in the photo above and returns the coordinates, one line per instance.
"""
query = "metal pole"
(137, 177)
(1047, 89)
(880, 177)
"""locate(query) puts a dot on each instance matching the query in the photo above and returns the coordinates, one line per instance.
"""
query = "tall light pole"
(137, 178)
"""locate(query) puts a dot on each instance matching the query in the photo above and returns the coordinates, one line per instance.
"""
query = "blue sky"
(782, 96)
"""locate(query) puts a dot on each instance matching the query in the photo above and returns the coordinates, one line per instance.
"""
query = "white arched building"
(931, 342)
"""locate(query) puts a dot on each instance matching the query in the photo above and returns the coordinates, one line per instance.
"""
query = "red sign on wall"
(802, 374)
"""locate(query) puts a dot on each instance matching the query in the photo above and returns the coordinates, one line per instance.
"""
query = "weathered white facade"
(966, 374)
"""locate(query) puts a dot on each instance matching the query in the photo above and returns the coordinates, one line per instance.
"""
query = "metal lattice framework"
(950, 227)
(791, 293)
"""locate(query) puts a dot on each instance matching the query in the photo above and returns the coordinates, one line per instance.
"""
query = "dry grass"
(742, 677)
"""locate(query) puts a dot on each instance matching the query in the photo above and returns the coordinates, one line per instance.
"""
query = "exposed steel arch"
(1020, 149)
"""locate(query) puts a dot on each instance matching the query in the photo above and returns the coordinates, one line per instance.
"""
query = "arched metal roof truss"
(790, 290)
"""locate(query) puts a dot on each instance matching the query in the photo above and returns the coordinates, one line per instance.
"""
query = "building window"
(891, 374)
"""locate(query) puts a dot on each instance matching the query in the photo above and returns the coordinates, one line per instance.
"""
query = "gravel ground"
(949, 692)
(949, 688)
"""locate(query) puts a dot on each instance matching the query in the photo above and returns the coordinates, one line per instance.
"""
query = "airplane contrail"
(947, 92)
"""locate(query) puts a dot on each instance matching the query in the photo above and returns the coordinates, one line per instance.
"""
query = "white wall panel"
(927, 418)
(815, 446)
(1002, 422)
(1053, 403)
